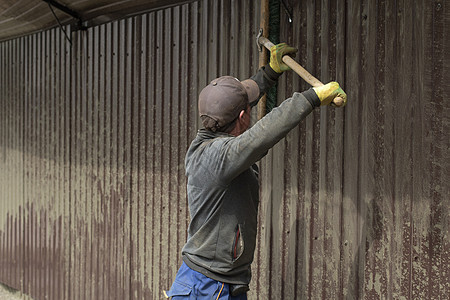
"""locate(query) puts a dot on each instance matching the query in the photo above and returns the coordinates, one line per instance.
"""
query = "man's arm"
(266, 77)
(244, 150)
(249, 147)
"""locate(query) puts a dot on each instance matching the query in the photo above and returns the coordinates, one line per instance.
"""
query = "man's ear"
(241, 114)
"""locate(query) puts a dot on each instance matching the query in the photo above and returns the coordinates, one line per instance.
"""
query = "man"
(222, 178)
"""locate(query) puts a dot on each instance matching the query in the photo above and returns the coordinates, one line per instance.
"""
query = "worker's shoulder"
(207, 138)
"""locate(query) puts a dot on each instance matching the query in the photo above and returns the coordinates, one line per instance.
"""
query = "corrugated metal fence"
(354, 203)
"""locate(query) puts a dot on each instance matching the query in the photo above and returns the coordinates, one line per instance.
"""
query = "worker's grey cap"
(225, 97)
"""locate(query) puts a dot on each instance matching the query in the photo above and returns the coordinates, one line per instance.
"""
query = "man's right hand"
(328, 92)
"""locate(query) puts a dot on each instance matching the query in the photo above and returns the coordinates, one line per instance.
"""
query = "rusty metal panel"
(353, 202)
(98, 139)
(11, 164)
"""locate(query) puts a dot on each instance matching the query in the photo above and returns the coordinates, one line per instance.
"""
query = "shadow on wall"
(36, 252)
(53, 256)
(8, 293)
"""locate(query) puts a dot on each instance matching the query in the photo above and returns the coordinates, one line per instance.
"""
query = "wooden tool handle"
(338, 101)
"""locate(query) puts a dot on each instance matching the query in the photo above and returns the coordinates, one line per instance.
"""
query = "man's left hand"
(276, 57)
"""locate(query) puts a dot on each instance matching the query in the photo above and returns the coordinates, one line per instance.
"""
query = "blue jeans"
(190, 284)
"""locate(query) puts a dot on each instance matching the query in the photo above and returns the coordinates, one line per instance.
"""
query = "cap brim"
(252, 89)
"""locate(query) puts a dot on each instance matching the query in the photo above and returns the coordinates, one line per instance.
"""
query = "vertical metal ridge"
(38, 168)
(141, 24)
(145, 132)
(389, 140)
(329, 152)
(27, 89)
(88, 163)
(108, 166)
(421, 209)
(53, 189)
(58, 269)
(97, 133)
(185, 40)
(49, 167)
(167, 133)
(122, 155)
(11, 160)
(403, 152)
(369, 199)
(6, 159)
(150, 118)
(180, 39)
(82, 217)
(341, 76)
(34, 165)
(174, 147)
(159, 155)
(74, 166)
(5, 156)
(15, 139)
(193, 118)
(100, 184)
(2, 156)
(439, 167)
(3, 128)
(66, 110)
(350, 172)
(21, 158)
(135, 156)
(151, 123)
(129, 151)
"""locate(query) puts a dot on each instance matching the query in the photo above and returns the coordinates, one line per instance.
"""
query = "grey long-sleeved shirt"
(223, 189)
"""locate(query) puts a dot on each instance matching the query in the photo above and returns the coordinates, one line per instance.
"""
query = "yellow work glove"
(276, 54)
(328, 92)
